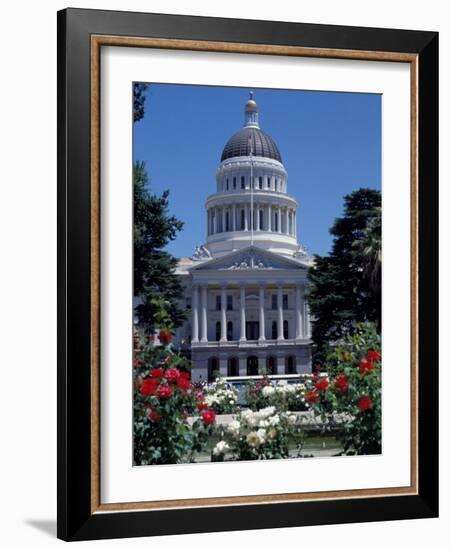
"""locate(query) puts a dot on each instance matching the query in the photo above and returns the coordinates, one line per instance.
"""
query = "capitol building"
(245, 286)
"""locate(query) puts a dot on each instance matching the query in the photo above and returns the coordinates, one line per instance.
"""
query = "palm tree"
(367, 253)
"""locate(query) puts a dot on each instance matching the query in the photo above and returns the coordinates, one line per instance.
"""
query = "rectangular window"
(218, 302)
(234, 182)
(260, 182)
(242, 182)
(268, 183)
(285, 301)
(227, 184)
(274, 301)
(229, 302)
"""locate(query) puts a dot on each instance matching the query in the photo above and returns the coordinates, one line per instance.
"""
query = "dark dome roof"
(239, 145)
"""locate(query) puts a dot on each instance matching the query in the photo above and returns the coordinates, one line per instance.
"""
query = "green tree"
(344, 289)
(154, 267)
(139, 90)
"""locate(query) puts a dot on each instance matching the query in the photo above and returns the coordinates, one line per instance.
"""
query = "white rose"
(253, 439)
(234, 426)
(261, 434)
(274, 420)
(292, 419)
(221, 448)
(267, 390)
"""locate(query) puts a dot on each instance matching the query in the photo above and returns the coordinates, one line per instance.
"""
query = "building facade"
(245, 287)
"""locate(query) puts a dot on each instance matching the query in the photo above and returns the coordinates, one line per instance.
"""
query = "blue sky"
(330, 144)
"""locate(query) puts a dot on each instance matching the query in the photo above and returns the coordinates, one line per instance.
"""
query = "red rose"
(156, 373)
(341, 383)
(365, 366)
(183, 384)
(149, 386)
(322, 384)
(164, 392)
(208, 417)
(373, 355)
(165, 337)
(185, 375)
(153, 415)
(172, 374)
(136, 362)
(312, 396)
(364, 403)
(202, 406)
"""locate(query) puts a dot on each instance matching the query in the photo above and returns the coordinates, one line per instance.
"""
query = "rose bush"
(256, 435)
(281, 395)
(220, 398)
(164, 398)
(350, 397)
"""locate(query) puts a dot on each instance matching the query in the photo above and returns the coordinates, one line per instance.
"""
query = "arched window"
(213, 369)
(242, 219)
(233, 367)
(261, 220)
(290, 365)
(274, 330)
(242, 182)
(286, 329)
(229, 330)
(271, 365)
(234, 182)
(218, 331)
(227, 184)
(260, 182)
(268, 183)
(252, 365)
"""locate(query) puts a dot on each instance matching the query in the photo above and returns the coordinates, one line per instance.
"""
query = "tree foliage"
(154, 267)
(345, 285)
(138, 100)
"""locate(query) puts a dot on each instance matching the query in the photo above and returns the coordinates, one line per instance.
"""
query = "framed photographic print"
(247, 274)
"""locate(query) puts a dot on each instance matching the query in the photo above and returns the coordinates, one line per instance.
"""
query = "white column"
(280, 313)
(242, 366)
(215, 221)
(245, 218)
(194, 314)
(224, 227)
(256, 216)
(204, 335)
(242, 296)
(307, 321)
(295, 224)
(223, 366)
(281, 369)
(279, 219)
(223, 315)
(298, 312)
(262, 321)
(234, 218)
(269, 218)
(305, 318)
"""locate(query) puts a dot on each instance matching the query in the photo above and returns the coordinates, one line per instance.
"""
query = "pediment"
(250, 259)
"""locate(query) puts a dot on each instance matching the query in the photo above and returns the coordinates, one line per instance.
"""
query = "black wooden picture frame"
(77, 517)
